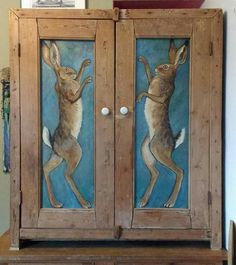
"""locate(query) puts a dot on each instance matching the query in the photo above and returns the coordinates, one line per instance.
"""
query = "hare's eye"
(165, 67)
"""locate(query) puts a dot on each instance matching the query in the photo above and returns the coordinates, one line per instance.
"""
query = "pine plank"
(79, 253)
(200, 123)
(15, 131)
(152, 28)
(167, 13)
(61, 218)
(67, 28)
(64, 13)
(216, 131)
(162, 218)
(30, 122)
(125, 84)
(104, 124)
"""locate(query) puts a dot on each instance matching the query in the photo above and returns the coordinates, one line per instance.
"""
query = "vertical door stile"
(200, 123)
(30, 160)
(125, 58)
(104, 156)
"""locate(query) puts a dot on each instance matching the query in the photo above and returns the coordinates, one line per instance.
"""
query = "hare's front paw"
(88, 80)
(86, 62)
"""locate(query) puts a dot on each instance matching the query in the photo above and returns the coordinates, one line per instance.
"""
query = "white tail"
(46, 137)
(180, 138)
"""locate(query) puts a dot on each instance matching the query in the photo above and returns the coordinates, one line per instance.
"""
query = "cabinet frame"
(214, 233)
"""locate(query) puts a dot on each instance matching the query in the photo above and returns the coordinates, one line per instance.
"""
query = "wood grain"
(67, 28)
(66, 234)
(167, 13)
(162, 218)
(15, 131)
(216, 131)
(30, 122)
(104, 124)
(64, 13)
(67, 218)
(165, 234)
(200, 123)
(151, 28)
(125, 85)
(77, 253)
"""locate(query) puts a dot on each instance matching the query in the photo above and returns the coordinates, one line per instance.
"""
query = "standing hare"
(160, 142)
(64, 143)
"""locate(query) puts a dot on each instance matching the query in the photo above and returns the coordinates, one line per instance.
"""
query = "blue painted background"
(73, 54)
(156, 52)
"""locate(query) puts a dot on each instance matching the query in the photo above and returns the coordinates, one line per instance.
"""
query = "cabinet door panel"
(168, 136)
(68, 155)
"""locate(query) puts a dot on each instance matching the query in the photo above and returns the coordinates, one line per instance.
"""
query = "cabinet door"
(67, 145)
(164, 171)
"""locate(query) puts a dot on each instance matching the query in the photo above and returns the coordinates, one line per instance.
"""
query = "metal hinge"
(209, 198)
(211, 48)
(19, 50)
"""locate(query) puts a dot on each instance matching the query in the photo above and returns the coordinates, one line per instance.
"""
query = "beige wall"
(4, 61)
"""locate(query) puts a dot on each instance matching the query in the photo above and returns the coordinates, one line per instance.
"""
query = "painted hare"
(63, 142)
(160, 142)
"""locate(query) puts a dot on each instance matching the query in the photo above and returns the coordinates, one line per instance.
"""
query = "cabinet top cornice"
(109, 13)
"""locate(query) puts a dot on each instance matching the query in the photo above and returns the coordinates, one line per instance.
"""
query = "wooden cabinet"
(116, 125)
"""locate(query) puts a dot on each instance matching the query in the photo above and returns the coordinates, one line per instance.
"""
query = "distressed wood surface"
(64, 13)
(125, 97)
(167, 13)
(162, 218)
(82, 253)
(67, 28)
(67, 234)
(61, 218)
(199, 123)
(53, 263)
(15, 131)
(104, 150)
(30, 122)
(152, 28)
(216, 131)
(127, 234)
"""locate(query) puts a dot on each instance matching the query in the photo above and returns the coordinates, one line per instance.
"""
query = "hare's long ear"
(55, 57)
(46, 54)
(181, 54)
(172, 52)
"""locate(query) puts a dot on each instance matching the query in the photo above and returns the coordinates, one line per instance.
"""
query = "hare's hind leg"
(72, 157)
(163, 155)
(150, 163)
(52, 163)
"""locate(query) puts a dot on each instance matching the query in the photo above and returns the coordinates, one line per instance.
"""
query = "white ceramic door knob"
(124, 110)
(105, 111)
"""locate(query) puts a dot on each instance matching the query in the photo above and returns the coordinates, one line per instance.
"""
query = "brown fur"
(160, 142)
(64, 140)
